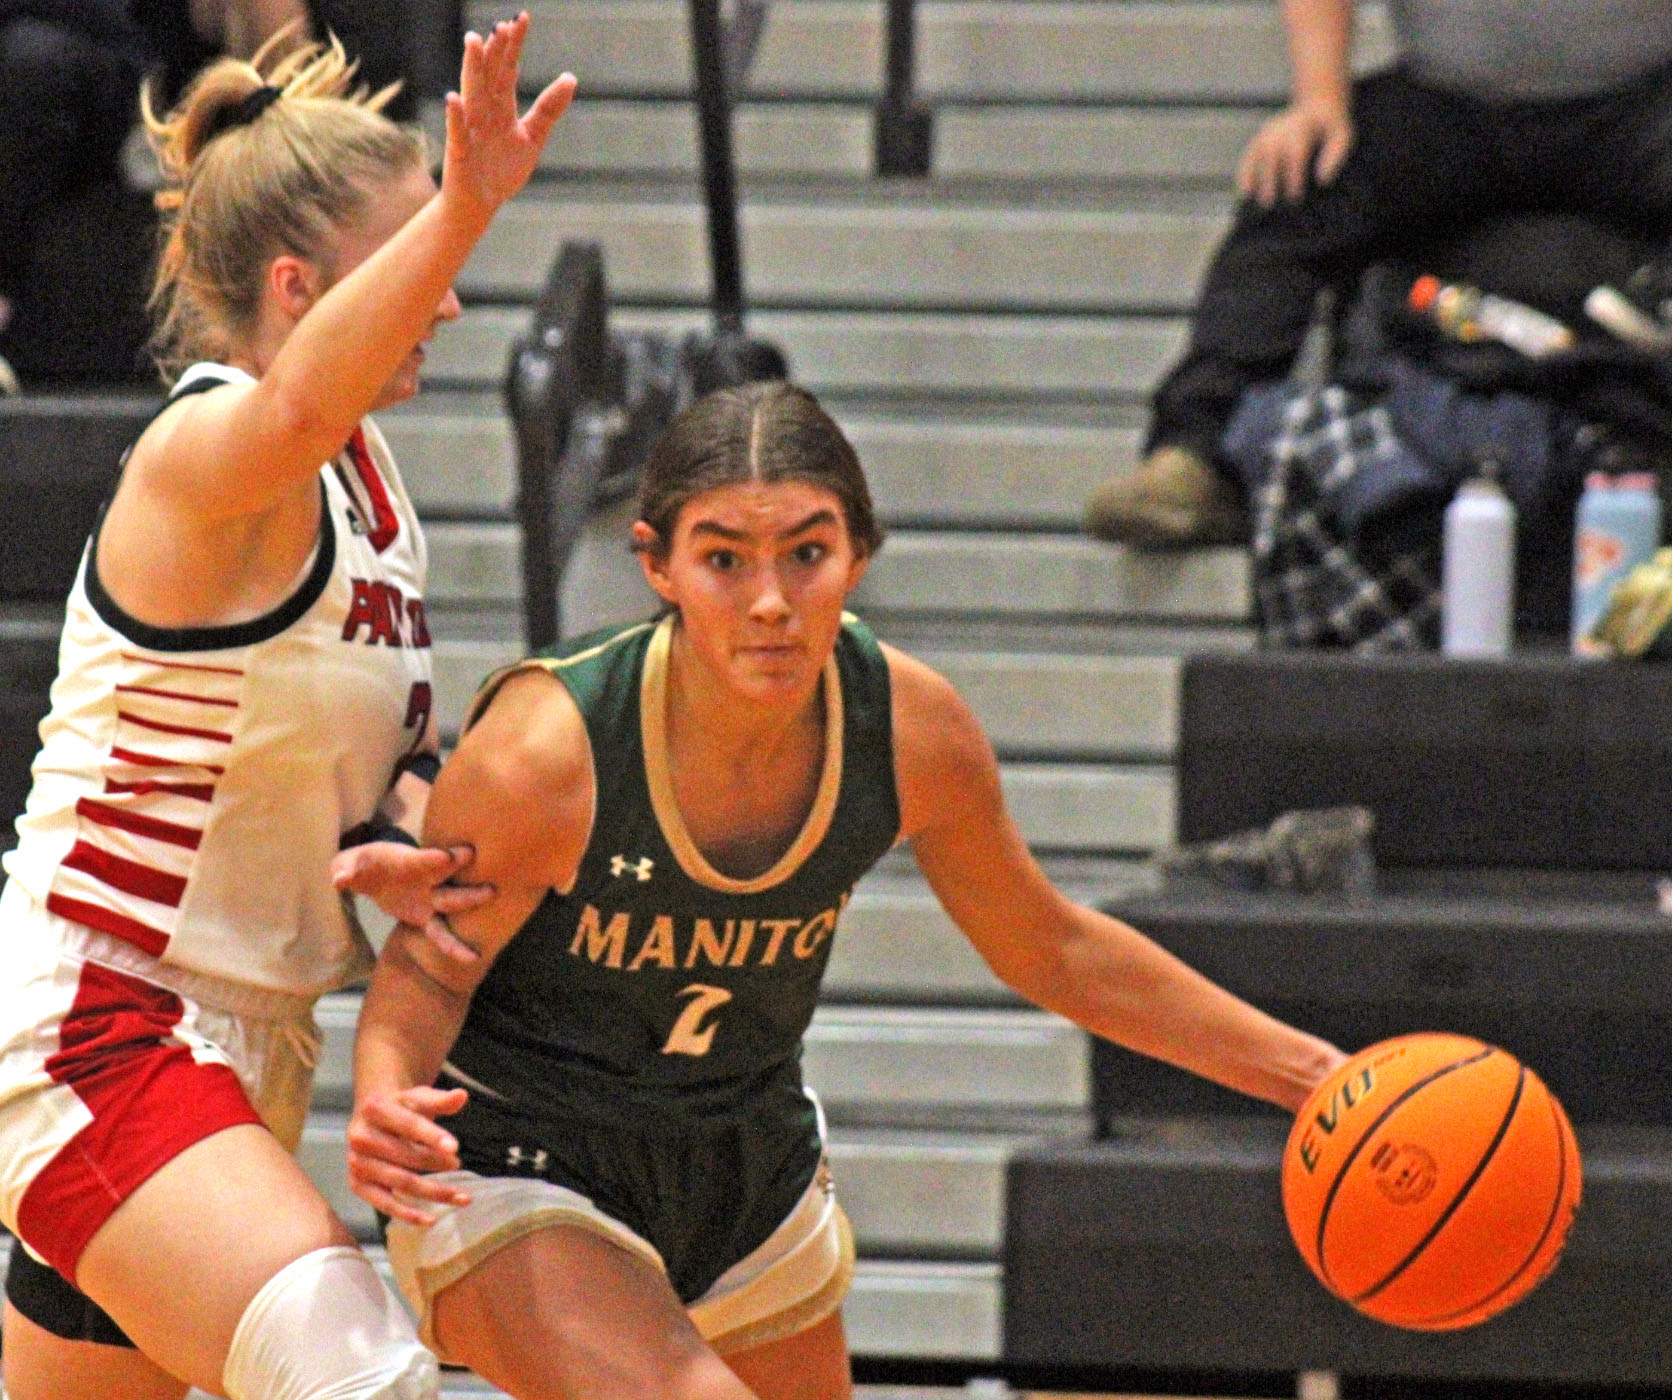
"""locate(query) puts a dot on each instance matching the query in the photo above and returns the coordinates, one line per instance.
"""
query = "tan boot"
(1172, 501)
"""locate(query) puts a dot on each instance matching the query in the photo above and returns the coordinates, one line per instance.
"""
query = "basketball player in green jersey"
(631, 1198)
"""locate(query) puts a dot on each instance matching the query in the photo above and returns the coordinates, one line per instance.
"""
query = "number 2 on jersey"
(689, 1036)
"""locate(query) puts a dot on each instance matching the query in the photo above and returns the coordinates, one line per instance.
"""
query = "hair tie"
(242, 112)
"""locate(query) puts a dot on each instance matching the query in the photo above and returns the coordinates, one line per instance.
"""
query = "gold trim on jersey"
(550, 664)
(658, 772)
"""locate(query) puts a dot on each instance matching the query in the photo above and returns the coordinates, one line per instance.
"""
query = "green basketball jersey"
(655, 971)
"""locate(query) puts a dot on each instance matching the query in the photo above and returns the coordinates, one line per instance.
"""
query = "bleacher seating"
(1563, 966)
(986, 337)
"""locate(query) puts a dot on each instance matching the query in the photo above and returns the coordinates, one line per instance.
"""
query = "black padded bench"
(1523, 812)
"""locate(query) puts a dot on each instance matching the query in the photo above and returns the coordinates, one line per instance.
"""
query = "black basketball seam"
(1461, 1196)
(1549, 1225)
(1334, 1186)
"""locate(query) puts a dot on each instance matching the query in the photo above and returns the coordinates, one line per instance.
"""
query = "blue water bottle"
(1616, 528)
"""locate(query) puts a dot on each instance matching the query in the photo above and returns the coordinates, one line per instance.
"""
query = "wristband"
(375, 830)
(423, 766)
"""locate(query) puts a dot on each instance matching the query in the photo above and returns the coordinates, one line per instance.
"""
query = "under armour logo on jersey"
(515, 1157)
(641, 868)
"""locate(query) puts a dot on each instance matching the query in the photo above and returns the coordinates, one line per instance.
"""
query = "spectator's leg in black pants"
(1421, 160)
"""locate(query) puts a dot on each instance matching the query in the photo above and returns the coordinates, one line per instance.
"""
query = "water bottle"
(1477, 571)
(1467, 313)
(1616, 528)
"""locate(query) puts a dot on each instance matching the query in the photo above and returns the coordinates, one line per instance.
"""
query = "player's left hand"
(411, 884)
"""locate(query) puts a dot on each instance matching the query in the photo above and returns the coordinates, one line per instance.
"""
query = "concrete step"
(897, 1308)
(1031, 704)
(897, 945)
(1021, 465)
(612, 136)
(968, 50)
(876, 1061)
(996, 573)
(1137, 248)
(877, 354)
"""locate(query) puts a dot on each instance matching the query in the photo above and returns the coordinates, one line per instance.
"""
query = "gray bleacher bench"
(1521, 823)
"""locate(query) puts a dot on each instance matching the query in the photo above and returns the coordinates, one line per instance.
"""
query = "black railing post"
(719, 171)
(905, 128)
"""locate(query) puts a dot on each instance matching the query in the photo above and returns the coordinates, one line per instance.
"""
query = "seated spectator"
(76, 241)
(1503, 106)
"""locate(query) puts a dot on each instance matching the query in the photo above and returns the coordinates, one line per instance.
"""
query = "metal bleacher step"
(976, 465)
(834, 138)
(1134, 247)
(998, 572)
(895, 1065)
(968, 50)
(876, 353)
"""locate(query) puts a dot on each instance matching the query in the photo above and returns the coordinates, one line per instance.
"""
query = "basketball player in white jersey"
(243, 688)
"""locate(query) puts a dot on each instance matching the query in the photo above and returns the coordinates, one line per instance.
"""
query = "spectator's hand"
(394, 1142)
(410, 884)
(490, 151)
(1301, 141)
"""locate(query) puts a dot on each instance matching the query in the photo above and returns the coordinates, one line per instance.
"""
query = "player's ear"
(653, 559)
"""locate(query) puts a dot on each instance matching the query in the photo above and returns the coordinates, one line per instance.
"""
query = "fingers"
(397, 1193)
(461, 899)
(548, 107)
(1332, 154)
(471, 71)
(448, 943)
(1296, 157)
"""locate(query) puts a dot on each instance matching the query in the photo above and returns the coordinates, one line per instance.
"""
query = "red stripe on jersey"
(106, 815)
(185, 729)
(175, 695)
(151, 760)
(203, 792)
(385, 523)
(149, 1100)
(129, 876)
(182, 665)
(141, 935)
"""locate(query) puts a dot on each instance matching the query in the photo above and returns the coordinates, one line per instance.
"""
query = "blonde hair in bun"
(246, 179)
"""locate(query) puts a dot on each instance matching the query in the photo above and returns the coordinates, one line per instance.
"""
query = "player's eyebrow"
(823, 516)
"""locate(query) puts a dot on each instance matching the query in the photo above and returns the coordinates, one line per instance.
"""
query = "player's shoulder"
(527, 733)
(935, 731)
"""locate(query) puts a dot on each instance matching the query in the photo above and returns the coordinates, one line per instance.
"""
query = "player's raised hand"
(491, 151)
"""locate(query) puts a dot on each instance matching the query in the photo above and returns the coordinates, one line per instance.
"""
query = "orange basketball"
(1430, 1181)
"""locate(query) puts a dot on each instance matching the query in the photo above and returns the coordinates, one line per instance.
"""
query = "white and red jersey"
(193, 783)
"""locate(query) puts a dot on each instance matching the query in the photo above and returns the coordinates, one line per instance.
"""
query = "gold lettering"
(813, 933)
(780, 929)
(745, 937)
(607, 943)
(657, 947)
(705, 941)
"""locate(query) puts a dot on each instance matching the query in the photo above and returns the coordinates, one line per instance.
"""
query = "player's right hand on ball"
(394, 1142)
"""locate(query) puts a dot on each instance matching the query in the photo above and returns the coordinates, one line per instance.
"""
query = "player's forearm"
(1123, 986)
(1320, 36)
(408, 1023)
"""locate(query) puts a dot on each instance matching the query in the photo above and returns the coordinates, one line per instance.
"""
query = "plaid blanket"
(1315, 584)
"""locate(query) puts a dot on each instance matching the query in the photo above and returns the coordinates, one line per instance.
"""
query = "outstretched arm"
(241, 449)
(518, 792)
(1098, 972)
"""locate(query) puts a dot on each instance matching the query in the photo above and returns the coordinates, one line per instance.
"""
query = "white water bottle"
(1477, 571)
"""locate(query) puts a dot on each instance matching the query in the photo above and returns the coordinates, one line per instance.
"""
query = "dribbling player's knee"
(325, 1328)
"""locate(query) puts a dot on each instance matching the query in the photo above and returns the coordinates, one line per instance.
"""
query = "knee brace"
(326, 1328)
